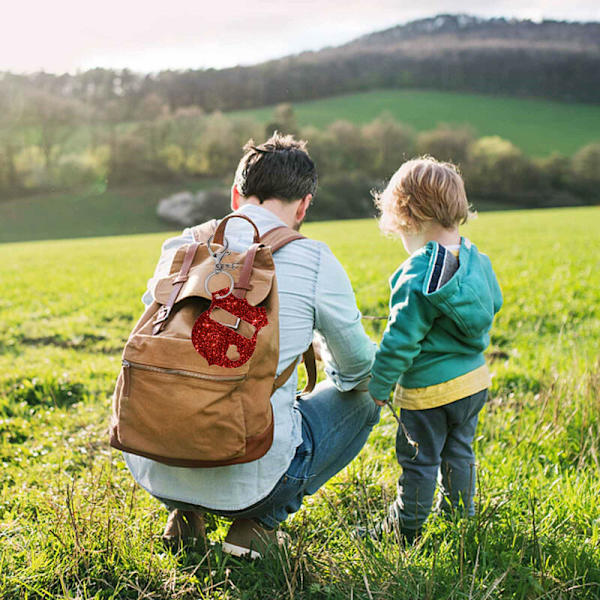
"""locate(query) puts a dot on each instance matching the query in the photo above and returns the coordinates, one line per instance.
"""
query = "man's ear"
(303, 207)
(235, 197)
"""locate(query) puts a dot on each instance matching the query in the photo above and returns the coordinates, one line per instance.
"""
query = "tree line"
(551, 59)
(45, 152)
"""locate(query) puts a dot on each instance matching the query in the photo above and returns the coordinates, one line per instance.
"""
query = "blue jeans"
(445, 436)
(335, 427)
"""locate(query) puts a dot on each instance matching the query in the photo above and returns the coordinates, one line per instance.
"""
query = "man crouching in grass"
(315, 436)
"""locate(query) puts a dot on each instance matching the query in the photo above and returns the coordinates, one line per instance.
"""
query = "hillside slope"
(551, 59)
(538, 127)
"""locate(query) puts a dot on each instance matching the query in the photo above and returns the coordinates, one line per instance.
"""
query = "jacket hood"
(470, 297)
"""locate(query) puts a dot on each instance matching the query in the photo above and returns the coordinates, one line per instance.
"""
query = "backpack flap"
(204, 266)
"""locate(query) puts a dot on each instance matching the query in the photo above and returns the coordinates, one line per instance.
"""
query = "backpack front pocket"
(202, 421)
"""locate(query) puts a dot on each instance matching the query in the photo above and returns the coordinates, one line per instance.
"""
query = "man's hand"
(379, 402)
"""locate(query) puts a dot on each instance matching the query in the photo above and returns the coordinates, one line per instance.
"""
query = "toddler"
(443, 301)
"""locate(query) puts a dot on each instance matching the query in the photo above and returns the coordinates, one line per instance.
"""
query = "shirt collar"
(260, 213)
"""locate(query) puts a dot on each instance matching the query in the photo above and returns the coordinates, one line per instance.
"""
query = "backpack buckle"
(234, 325)
(162, 314)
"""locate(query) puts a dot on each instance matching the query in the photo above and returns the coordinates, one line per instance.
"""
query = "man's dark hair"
(279, 168)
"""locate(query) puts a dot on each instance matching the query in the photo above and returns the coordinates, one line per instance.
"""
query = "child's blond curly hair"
(421, 190)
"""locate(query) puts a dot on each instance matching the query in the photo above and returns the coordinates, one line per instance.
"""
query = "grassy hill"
(462, 53)
(538, 127)
(123, 210)
(90, 212)
(73, 524)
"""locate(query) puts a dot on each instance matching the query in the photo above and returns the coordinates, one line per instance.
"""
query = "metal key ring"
(231, 285)
(221, 252)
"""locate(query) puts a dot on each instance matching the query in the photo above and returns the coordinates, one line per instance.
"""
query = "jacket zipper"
(129, 365)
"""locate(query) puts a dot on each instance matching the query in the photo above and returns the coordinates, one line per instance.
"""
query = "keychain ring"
(231, 284)
(216, 254)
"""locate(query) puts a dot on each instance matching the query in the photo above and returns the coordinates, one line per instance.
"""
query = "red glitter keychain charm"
(214, 340)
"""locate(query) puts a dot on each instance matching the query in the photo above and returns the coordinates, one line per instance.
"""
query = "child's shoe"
(390, 526)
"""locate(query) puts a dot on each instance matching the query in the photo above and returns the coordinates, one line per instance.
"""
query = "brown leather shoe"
(247, 538)
(184, 526)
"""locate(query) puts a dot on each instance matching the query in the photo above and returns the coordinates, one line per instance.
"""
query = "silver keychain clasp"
(220, 266)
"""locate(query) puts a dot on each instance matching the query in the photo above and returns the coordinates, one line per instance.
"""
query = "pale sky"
(148, 36)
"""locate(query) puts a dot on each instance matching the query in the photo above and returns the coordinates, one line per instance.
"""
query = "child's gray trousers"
(445, 436)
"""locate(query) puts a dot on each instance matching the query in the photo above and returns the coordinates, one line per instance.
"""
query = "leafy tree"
(585, 171)
(446, 142)
(55, 117)
(11, 136)
(498, 169)
(320, 148)
(151, 108)
(343, 196)
(556, 170)
(350, 151)
(219, 146)
(284, 121)
(390, 144)
(186, 127)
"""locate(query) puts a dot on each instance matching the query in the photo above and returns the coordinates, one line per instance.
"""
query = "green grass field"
(538, 127)
(74, 525)
(127, 209)
(91, 212)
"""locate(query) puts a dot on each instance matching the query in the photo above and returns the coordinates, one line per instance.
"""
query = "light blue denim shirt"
(315, 294)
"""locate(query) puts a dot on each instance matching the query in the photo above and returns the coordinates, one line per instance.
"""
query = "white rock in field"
(187, 209)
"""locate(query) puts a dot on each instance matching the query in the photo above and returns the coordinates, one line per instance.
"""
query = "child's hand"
(379, 402)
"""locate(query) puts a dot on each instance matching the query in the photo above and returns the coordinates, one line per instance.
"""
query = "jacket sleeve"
(497, 293)
(411, 317)
(345, 347)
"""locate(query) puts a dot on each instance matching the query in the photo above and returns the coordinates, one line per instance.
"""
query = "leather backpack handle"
(220, 232)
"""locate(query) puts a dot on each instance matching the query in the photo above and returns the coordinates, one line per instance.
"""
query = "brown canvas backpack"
(199, 367)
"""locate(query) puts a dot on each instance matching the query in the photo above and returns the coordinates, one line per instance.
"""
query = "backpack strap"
(240, 289)
(310, 365)
(280, 236)
(277, 238)
(163, 313)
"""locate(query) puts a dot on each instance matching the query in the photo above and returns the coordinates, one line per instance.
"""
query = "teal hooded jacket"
(435, 334)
